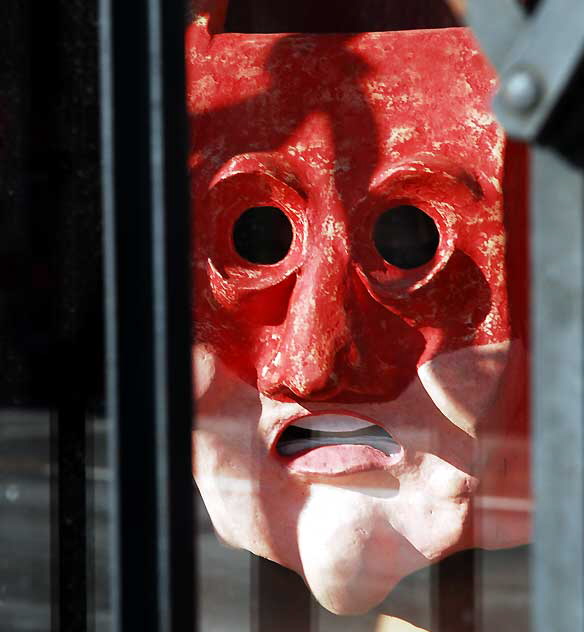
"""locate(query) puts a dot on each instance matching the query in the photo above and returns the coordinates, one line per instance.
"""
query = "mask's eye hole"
(262, 234)
(406, 237)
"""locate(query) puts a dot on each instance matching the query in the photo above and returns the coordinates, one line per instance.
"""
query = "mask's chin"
(351, 556)
(355, 547)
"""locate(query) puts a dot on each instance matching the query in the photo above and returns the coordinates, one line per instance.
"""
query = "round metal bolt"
(521, 91)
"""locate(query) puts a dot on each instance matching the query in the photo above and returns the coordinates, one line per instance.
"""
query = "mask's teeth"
(333, 423)
(295, 440)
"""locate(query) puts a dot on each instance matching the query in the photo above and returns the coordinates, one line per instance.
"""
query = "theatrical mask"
(358, 273)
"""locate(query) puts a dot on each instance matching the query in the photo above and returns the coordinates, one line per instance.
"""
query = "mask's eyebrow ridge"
(268, 164)
(432, 169)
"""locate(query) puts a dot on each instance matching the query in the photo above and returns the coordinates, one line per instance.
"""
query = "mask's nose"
(315, 338)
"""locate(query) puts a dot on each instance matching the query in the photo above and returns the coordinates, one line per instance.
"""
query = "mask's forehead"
(385, 96)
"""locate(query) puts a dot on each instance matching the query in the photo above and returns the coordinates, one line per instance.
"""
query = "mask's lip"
(305, 415)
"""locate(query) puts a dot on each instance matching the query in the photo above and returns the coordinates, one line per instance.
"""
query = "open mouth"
(328, 430)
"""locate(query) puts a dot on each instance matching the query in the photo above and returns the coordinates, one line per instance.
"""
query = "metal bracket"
(536, 58)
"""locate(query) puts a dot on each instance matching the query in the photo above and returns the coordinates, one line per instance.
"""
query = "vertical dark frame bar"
(455, 595)
(280, 599)
(146, 225)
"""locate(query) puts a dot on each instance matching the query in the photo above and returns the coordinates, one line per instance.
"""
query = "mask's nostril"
(277, 391)
(262, 234)
(406, 237)
(278, 387)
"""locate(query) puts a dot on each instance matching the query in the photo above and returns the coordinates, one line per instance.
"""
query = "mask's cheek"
(432, 510)
(251, 503)
(470, 386)
(225, 447)
(226, 487)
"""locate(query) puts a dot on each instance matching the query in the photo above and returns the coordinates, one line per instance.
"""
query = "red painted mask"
(354, 200)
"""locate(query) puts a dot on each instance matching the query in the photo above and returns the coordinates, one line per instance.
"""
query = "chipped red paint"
(334, 130)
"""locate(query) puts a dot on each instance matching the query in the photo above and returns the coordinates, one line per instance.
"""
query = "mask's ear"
(207, 18)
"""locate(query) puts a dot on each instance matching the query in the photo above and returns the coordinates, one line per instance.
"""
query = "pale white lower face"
(354, 534)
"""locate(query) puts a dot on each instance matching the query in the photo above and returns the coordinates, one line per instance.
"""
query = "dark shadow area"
(564, 130)
(344, 16)
(286, 82)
